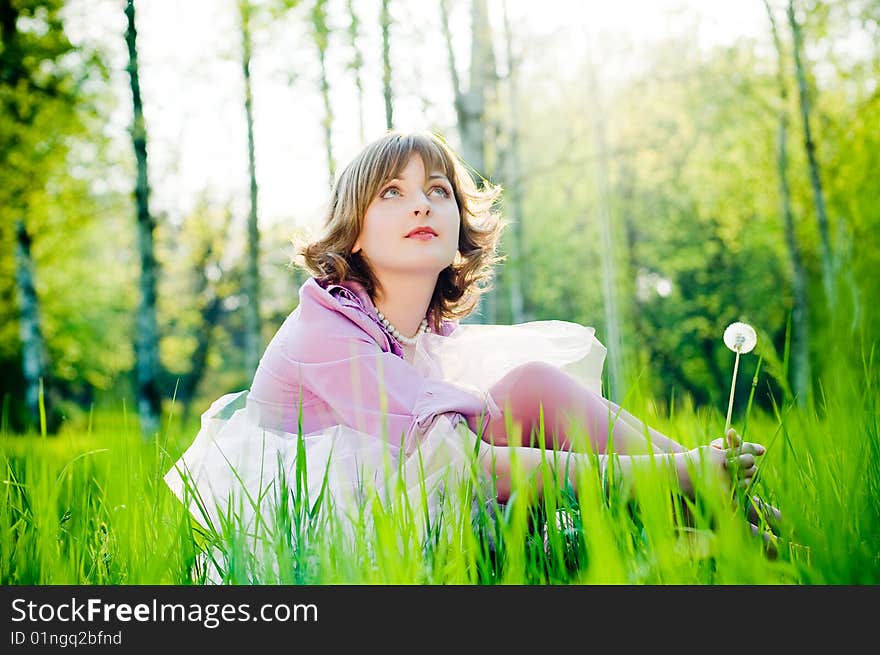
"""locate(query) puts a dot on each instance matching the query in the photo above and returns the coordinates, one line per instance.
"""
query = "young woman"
(373, 367)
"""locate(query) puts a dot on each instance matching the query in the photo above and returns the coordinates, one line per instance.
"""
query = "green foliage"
(692, 146)
(53, 160)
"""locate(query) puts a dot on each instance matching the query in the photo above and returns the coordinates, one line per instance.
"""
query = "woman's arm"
(378, 393)
(499, 462)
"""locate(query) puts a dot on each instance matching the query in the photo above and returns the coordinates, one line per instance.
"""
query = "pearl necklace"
(410, 341)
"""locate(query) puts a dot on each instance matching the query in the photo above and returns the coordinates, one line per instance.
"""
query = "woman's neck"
(405, 301)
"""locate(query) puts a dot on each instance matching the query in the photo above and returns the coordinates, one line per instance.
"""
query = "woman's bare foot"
(761, 513)
(769, 540)
(734, 459)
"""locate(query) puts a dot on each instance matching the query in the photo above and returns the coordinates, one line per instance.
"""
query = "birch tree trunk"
(357, 64)
(13, 71)
(33, 346)
(320, 33)
(385, 22)
(800, 374)
(470, 108)
(516, 265)
(810, 147)
(147, 337)
(472, 104)
(252, 274)
(607, 250)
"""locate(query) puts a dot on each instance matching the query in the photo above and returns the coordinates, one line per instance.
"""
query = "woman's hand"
(741, 456)
(734, 459)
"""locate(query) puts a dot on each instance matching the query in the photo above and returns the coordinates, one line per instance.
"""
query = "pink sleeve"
(379, 393)
(330, 360)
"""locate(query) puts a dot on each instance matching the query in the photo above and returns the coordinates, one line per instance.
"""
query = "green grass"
(89, 506)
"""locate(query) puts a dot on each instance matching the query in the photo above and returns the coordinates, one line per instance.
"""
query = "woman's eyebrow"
(433, 176)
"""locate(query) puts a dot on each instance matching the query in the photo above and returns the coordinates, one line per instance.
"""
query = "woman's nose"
(423, 206)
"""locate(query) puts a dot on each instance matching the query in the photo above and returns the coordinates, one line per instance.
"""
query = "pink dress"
(333, 381)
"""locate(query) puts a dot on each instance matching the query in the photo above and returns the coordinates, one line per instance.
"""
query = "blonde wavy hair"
(460, 285)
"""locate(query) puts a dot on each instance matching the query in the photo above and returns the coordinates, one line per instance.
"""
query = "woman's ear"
(356, 247)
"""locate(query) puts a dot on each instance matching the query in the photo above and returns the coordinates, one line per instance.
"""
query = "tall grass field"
(89, 506)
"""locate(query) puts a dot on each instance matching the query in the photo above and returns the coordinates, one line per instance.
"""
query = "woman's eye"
(390, 192)
(444, 193)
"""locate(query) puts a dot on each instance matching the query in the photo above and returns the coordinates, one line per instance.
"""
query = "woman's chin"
(420, 268)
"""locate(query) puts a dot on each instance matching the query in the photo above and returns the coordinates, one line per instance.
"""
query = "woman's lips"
(422, 236)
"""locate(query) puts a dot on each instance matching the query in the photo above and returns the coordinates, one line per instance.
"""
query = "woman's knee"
(520, 394)
(536, 370)
(525, 378)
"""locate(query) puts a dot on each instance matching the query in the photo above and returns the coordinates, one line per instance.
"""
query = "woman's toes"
(758, 510)
(768, 539)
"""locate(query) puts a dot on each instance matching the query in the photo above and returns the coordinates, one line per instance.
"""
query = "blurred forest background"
(667, 172)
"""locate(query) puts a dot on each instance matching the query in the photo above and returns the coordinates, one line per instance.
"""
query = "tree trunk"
(810, 147)
(210, 315)
(385, 21)
(472, 104)
(321, 34)
(516, 265)
(470, 108)
(800, 375)
(147, 338)
(629, 267)
(356, 65)
(252, 276)
(607, 250)
(33, 347)
(211, 308)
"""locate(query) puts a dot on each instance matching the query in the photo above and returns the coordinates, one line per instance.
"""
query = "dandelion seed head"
(740, 337)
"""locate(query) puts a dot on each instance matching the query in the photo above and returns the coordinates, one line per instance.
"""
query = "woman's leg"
(660, 441)
(499, 461)
(566, 403)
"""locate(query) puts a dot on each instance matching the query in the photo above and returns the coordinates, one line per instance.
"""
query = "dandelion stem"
(730, 402)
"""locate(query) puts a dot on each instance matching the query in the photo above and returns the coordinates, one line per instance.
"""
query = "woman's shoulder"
(328, 310)
(447, 328)
(347, 293)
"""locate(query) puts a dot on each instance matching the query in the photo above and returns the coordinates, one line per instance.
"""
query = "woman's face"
(416, 198)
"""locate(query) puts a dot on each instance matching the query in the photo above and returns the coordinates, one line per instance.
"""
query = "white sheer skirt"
(235, 472)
